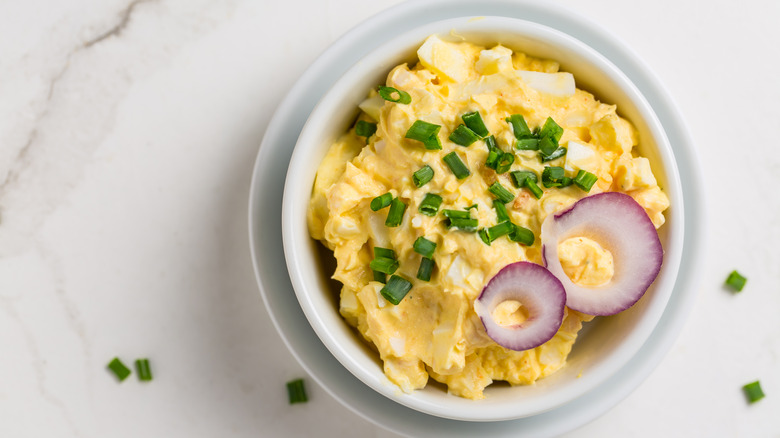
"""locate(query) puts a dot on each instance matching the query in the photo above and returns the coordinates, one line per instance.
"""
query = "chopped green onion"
(432, 143)
(390, 93)
(421, 130)
(519, 177)
(566, 182)
(552, 176)
(736, 281)
(456, 214)
(527, 144)
(499, 230)
(422, 176)
(585, 180)
(396, 289)
(463, 224)
(296, 392)
(501, 213)
(474, 206)
(558, 153)
(380, 276)
(426, 267)
(494, 153)
(473, 121)
(547, 145)
(500, 192)
(504, 163)
(430, 204)
(424, 247)
(535, 190)
(144, 372)
(453, 161)
(384, 252)
(753, 391)
(522, 235)
(365, 129)
(463, 136)
(381, 201)
(551, 130)
(484, 236)
(119, 369)
(519, 127)
(396, 213)
(383, 264)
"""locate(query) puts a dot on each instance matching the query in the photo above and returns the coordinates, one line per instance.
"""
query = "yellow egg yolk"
(586, 262)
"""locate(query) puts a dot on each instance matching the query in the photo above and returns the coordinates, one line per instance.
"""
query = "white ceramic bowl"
(604, 346)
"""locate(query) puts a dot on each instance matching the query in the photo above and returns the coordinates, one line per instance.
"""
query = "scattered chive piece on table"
(558, 153)
(502, 229)
(144, 372)
(519, 127)
(463, 136)
(527, 144)
(384, 252)
(422, 176)
(396, 289)
(463, 224)
(753, 391)
(424, 132)
(424, 247)
(519, 177)
(430, 204)
(504, 163)
(501, 193)
(396, 213)
(296, 392)
(736, 281)
(552, 176)
(535, 190)
(473, 121)
(585, 180)
(380, 276)
(119, 369)
(551, 130)
(384, 265)
(522, 235)
(501, 212)
(426, 267)
(365, 129)
(381, 201)
(453, 161)
(394, 95)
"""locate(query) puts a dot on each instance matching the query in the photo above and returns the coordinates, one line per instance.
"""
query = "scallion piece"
(296, 392)
(527, 144)
(491, 142)
(494, 153)
(566, 182)
(547, 145)
(453, 161)
(504, 163)
(396, 213)
(535, 190)
(396, 289)
(501, 213)
(558, 153)
(463, 224)
(463, 136)
(473, 121)
(753, 391)
(522, 235)
(430, 204)
(422, 176)
(519, 127)
(394, 95)
(381, 201)
(456, 214)
(736, 281)
(144, 372)
(425, 269)
(551, 130)
(421, 130)
(585, 180)
(365, 129)
(499, 230)
(432, 143)
(484, 236)
(424, 247)
(384, 264)
(519, 177)
(119, 369)
(552, 176)
(501, 193)
(380, 276)
(473, 206)
(384, 252)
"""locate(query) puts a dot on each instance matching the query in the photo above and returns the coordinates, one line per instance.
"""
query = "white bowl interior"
(605, 345)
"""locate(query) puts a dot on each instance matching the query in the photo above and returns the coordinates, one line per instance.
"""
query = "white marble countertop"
(128, 130)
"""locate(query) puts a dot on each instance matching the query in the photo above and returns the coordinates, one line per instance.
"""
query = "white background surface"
(127, 137)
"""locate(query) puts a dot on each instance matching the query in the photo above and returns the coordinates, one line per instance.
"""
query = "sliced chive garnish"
(551, 130)
(430, 204)
(143, 369)
(558, 153)
(425, 269)
(504, 163)
(753, 391)
(472, 206)
(463, 224)
(547, 145)
(396, 289)
(422, 176)
(535, 190)
(384, 264)
(463, 136)
(502, 229)
(585, 180)
(527, 144)
(453, 161)
(501, 213)
(736, 281)
(552, 176)
(519, 177)
(456, 214)
(384, 252)
(381, 201)
(501, 193)
(396, 213)
(484, 236)
(519, 127)
(494, 153)
(394, 95)
(421, 130)
(424, 247)
(296, 391)
(119, 369)
(432, 143)
(380, 276)
(473, 121)
(365, 129)
(522, 235)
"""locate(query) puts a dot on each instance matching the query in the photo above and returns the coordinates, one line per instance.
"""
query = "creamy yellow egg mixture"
(434, 332)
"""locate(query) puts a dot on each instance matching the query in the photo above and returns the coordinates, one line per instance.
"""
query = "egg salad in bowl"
(480, 210)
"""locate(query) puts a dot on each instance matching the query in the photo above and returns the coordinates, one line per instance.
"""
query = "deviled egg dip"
(446, 177)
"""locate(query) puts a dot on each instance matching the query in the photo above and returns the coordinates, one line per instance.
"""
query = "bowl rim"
(418, 400)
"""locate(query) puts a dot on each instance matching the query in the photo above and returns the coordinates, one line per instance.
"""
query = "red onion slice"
(540, 293)
(619, 224)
